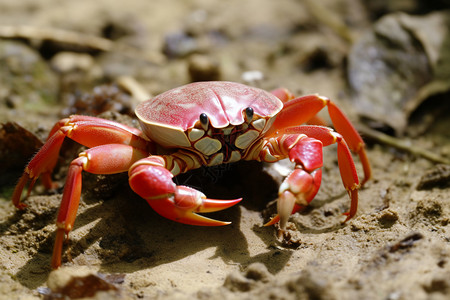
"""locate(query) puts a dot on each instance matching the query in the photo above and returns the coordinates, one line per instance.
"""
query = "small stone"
(438, 177)
(203, 68)
(387, 218)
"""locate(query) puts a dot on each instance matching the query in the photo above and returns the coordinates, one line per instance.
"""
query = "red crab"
(201, 124)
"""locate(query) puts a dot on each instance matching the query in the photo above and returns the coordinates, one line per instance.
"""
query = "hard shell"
(167, 117)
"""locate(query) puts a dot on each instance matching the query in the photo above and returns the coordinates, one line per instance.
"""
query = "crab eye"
(249, 114)
(204, 119)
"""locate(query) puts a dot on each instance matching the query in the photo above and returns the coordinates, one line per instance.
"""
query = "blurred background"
(386, 63)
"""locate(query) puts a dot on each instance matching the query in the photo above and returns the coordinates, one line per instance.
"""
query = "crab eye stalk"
(204, 120)
(249, 114)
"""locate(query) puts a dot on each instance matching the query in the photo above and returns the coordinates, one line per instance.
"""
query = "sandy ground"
(397, 246)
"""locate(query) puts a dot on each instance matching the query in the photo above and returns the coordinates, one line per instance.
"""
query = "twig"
(132, 86)
(72, 38)
(59, 35)
(401, 145)
(327, 17)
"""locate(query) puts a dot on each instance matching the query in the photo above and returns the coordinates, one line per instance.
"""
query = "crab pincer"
(154, 183)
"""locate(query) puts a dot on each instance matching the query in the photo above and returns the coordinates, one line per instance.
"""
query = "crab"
(201, 124)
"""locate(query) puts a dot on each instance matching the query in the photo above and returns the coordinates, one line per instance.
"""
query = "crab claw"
(286, 206)
(298, 189)
(186, 202)
(177, 203)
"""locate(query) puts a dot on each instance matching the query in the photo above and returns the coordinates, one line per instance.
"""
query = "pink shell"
(223, 102)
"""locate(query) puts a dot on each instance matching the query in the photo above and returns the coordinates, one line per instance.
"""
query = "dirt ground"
(103, 57)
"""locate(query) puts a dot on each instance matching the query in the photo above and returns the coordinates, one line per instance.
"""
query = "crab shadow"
(126, 235)
(132, 237)
(157, 241)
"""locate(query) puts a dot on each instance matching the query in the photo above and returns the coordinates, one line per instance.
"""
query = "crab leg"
(285, 95)
(43, 162)
(105, 159)
(304, 109)
(88, 131)
(303, 145)
(151, 179)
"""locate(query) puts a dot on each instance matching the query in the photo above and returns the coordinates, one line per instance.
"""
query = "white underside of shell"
(199, 139)
(165, 136)
(216, 160)
(208, 146)
(195, 134)
(246, 139)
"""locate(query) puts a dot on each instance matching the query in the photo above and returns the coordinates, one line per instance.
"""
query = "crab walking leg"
(88, 131)
(43, 162)
(347, 167)
(307, 153)
(285, 95)
(304, 109)
(352, 137)
(79, 119)
(302, 184)
(151, 178)
(105, 159)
